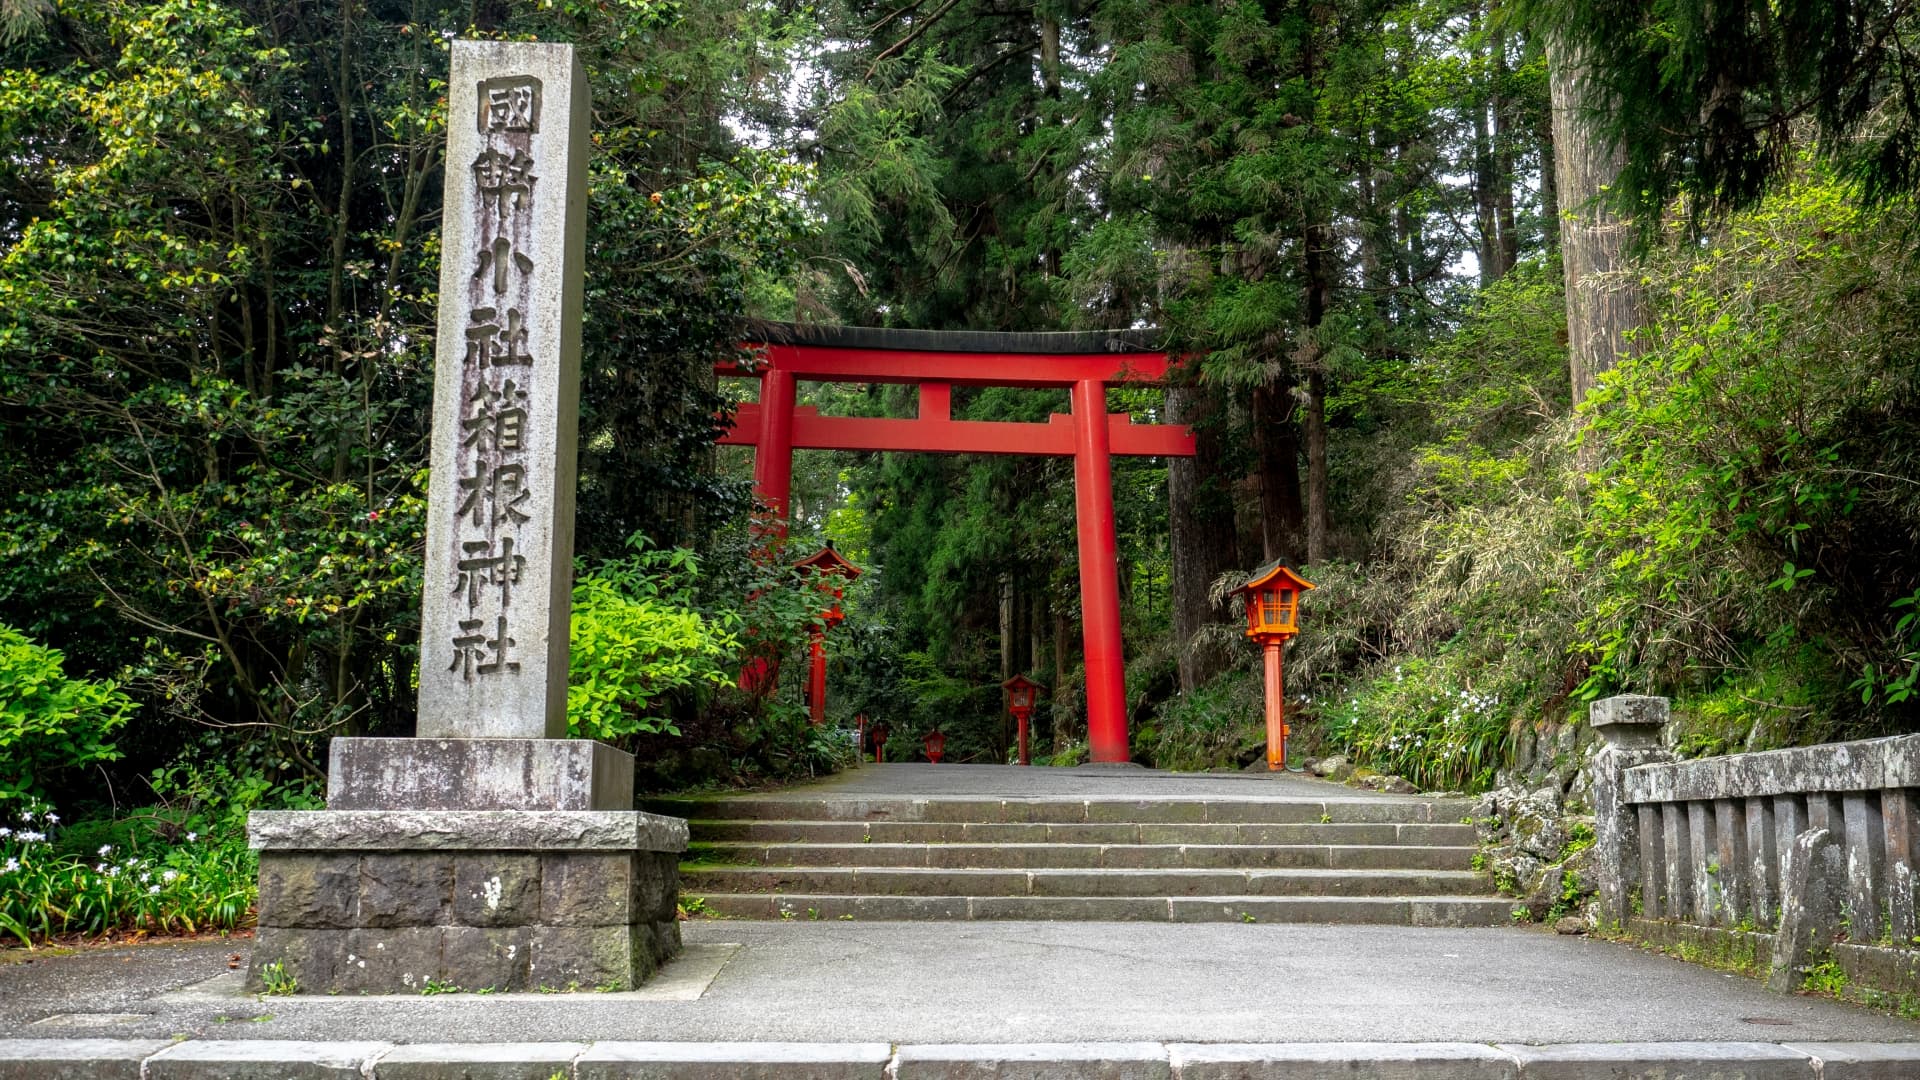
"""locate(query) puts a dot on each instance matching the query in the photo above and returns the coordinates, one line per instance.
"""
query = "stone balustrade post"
(1629, 726)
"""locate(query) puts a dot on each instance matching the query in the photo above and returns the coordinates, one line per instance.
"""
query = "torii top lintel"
(936, 361)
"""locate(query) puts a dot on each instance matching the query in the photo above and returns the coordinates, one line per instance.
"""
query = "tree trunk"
(1603, 294)
(1200, 535)
(1503, 171)
(1283, 520)
(1319, 249)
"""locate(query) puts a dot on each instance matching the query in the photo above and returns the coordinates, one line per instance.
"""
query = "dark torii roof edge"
(1060, 343)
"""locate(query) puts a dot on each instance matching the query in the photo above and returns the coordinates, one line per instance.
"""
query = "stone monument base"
(392, 901)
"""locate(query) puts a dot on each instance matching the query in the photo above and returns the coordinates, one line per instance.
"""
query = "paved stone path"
(858, 998)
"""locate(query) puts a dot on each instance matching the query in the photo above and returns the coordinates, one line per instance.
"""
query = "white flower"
(31, 837)
(4, 831)
(191, 837)
(144, 876)
(53, 818)
(106, 850)
(168, 875)
(26, 815)
(153, 890)
(10, 867)
(100, 868)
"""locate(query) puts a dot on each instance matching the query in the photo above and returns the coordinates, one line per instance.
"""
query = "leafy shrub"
(639, 640)
(49, 721)
(1219, 725)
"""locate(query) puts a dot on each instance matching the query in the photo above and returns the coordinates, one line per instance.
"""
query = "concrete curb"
(208, 1059)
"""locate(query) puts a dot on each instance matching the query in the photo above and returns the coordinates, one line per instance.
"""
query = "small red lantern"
(1273, 616)
(880, 733)
(831, 573)
(1022, 692)
(936, 745)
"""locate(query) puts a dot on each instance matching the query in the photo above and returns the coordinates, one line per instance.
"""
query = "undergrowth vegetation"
(1730, 520)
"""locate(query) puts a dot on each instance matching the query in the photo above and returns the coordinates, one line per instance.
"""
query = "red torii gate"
(937, 361)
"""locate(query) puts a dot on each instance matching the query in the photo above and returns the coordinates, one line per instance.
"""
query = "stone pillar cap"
(1628, 718)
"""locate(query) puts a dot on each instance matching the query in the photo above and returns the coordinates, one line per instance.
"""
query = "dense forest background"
(1568, 348)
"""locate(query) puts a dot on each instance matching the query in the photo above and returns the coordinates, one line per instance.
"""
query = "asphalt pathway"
(992, 983)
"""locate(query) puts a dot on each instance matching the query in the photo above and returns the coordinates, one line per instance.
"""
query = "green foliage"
(639, 641)
(1216, 726)
(201, 883)
(1423, 721)
(48, 720)
(277, 981)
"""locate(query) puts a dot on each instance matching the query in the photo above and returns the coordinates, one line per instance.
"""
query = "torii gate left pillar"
(1091, 436)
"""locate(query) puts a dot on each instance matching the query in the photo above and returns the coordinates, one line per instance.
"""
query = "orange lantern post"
(831, 573)
(1273, 616)
(1021, 694)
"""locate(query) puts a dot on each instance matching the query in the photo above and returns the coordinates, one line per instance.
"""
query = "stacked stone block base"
(392, 890)
(345, 922)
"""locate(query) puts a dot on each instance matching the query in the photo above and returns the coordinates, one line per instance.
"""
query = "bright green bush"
(48, 720)
(639, 640)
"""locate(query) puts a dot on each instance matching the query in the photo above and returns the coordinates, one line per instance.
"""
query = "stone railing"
(1815, 846)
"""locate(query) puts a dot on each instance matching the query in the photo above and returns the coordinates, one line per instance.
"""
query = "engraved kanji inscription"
(504, 181)
(509, 103)
(484, 567)
(498, 420)
(491, 344)
(472, 647)
(493, 494)
(497, 260)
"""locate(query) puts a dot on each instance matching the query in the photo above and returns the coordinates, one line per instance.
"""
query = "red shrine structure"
(936, 362)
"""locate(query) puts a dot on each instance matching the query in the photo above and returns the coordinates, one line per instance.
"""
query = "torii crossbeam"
(936, 362)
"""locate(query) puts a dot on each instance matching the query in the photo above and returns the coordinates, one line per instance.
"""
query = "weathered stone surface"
(76, 1059)
(656, 886)
(493, 641)
(415, 889)
(1629, 721)
(252, 1059)
(478, 774)
(309, 890)
(1034, 1061)
(464, 830)
(586, 889)
(733, 1061)
(1809, 908)
(1665, 1061)
(1329, 1061)
(1863, 1061)
(391, 961)
(496, 889)
(314, 958)
(666, 941)
(478, 1061)
(1570, 924)
(482, 958)
(1865, 765)
(590, 957)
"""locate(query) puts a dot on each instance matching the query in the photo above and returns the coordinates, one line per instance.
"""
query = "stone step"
(1411, 910)
(700, 879)
(791, 831)
(1278, 811)
(1090, 856)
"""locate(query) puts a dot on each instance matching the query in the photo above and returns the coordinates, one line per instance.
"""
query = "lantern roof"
(828, 561)
(1021, 682)
(1275, 577)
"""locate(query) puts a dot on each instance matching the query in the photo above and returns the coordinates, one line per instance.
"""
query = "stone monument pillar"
(1629, 727)
(490, 852)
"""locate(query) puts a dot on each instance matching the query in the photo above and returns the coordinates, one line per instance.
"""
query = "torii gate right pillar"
(1099, 575)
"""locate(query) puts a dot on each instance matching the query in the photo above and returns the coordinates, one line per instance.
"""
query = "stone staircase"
(1374, 860)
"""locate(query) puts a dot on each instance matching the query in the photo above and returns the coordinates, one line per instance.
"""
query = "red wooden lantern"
(831, 573)
(880, 733)
(936, 746)
(1273, 616)
(1022, 692)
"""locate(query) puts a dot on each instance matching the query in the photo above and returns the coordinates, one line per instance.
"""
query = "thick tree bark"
(1319, 249)
(1200, 533)
(1603, 294)
(1062, 644)
(1283, 519)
